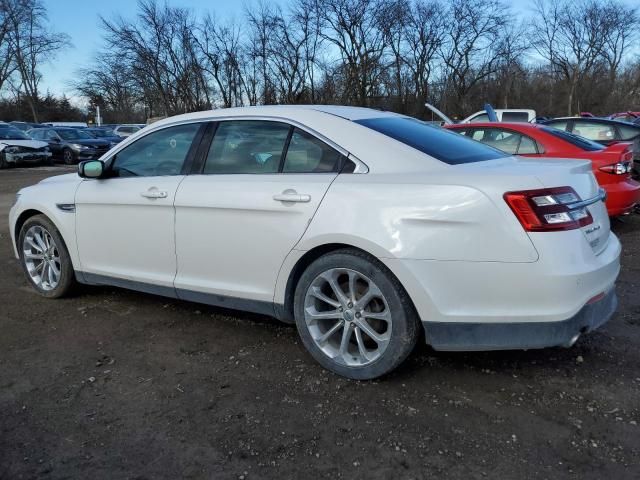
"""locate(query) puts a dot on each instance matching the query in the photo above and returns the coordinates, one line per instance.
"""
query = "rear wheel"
(353, 315)
(45, 258)
(68, 157)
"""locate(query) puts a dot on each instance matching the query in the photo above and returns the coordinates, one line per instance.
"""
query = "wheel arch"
(284, 310)
(32, 212)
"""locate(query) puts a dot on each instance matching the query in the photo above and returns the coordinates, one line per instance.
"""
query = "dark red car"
(612, 165)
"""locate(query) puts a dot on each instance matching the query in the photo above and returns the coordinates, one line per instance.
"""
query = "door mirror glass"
(91, 169)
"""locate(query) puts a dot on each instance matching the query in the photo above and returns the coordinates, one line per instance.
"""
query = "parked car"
(71, 144)
(630, 117)
(599, 130)
(25, 126)
(66, 124)
(16, 147)
(612, 165)
(504, 115)
(125, 130)
(367, 229)
(105, 134)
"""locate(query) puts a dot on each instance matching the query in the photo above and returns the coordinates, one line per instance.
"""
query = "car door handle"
(154, 194)
(292, 197)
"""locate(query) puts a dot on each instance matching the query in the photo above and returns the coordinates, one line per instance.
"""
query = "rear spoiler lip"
(602, 195)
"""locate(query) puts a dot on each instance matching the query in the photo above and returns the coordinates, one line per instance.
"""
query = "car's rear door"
(125, 223)
(244, 210)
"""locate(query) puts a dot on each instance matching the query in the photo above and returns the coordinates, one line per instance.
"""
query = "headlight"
(77, 146)
(12, 149)
(46, 149)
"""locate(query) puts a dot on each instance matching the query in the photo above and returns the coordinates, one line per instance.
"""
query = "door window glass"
(307, 154)
(159, 153)
(247, 146)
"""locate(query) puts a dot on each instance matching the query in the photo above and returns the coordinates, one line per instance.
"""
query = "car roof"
(508, 125)
(592, 120)
(283, 111)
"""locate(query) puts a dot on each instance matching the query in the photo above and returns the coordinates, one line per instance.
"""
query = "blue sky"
(80, 20)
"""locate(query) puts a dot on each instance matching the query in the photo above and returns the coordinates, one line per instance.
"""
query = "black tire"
(405, 323)
(68, 157)
(67, 279)
(3, 162)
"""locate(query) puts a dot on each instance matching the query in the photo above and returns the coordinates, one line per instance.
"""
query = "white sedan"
(367, 229)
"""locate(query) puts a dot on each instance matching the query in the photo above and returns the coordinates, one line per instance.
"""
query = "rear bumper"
(622, 197)
(527, 335)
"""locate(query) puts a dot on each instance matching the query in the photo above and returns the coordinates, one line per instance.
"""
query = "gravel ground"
(118, 384)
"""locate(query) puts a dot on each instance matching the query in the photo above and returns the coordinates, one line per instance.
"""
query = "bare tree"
(353, 28)
(30, 44)
(470, 50)
(571, 36)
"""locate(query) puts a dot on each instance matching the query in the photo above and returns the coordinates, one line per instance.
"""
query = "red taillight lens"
(548, 209)
(620, 168)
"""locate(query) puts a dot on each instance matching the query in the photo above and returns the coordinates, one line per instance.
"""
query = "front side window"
(594, 131)
(247, 146)
(51, 135)
(307, 154)
(156, 154)
(441, 144)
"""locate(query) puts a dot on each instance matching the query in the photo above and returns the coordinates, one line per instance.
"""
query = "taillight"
(620, 168)
(548, 209)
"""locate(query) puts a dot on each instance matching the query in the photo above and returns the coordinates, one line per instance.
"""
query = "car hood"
(67, 178)
(22, 143)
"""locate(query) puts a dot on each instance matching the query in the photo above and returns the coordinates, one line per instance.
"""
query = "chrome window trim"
(361, 167)
(602, 195)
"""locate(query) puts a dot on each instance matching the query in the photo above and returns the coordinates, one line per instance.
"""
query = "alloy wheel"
(348, 317)
(42, 258)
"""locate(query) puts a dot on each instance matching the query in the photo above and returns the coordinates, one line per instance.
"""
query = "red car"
(612, 164)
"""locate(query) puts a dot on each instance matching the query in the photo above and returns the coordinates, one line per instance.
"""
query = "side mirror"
(91, 169)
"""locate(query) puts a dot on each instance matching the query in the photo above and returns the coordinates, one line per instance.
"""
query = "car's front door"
(238, 219)
(125, 222)
(54, 141)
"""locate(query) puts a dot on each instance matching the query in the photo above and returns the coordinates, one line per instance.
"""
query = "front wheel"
(353, 315)
(68, 157)
(45, 258)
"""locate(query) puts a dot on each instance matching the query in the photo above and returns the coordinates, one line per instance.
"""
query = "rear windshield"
(448, 147)
(576, 140)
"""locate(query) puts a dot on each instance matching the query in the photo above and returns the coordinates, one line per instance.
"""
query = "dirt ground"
(116, 384)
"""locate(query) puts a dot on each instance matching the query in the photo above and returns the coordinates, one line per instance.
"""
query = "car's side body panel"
(232, 235)
(122, 234)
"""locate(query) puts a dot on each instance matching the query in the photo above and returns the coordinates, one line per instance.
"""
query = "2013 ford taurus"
(367, 229)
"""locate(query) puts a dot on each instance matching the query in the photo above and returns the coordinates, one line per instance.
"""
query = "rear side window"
(446, 146)
(247, 146)
(575, 140)
(307, 154)
(515, 117)
(594, 131)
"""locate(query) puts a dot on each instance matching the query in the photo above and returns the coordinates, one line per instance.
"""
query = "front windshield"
(103, 133)
(12, 133)
(73, 134)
